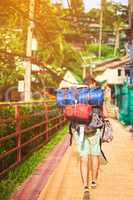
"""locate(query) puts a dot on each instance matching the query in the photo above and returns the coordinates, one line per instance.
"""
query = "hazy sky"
(96, 3)
(90, 3)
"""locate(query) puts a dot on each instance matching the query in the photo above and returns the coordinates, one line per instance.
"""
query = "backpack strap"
(71, 134)
(103, 154)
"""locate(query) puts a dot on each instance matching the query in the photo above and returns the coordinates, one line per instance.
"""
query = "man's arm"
(105, 111)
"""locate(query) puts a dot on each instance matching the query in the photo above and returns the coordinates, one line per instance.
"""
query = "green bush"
(21, 172)
(107, 50)
(27, 121)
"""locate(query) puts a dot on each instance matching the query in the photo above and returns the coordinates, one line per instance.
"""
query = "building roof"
(113, 64)
(80, 81)
(70, 79)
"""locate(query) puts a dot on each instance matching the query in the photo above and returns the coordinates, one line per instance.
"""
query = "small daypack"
(106, 132)
(106, 136)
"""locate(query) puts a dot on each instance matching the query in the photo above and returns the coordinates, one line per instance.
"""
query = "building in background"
(70, 80)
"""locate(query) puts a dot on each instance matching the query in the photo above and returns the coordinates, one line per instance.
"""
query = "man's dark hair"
(89, 80)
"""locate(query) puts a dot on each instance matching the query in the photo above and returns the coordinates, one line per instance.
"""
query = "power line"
(36, 62)
(42, 30)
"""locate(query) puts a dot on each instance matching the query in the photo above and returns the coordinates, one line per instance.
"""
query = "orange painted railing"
(22, 132)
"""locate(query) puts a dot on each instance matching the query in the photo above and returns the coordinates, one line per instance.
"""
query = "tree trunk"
(117, 41)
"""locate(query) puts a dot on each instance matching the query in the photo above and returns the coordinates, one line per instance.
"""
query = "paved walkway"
(34, 184)
(115, 179)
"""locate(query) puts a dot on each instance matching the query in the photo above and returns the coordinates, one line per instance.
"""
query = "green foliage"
(94, 14)
(13, 26)
(52, 47)
(51, 32)
(30, 115)
(77, 6)
(107, 51)
(6, 112)
(17, 176)
(114, 18)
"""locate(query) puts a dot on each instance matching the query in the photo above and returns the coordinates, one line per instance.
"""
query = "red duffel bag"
(78, 112)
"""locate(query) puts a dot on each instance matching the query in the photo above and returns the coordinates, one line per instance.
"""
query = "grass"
(21, 172)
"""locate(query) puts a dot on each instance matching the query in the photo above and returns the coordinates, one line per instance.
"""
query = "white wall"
(111, 75)
(68, 80)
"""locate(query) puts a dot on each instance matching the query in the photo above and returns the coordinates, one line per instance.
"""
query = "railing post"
(46, 121)
(57, 119)
(61, 118)
(18, 131)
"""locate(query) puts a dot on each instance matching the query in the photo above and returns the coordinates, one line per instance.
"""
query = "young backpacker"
(79, 104)
(89, 146)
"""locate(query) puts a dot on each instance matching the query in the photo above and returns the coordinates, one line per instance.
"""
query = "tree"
(114, 21)
(77, 6)
(52, 47)
(12, 37)
(116, 13)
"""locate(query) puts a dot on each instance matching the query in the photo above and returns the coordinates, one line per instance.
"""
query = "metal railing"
(24, 127)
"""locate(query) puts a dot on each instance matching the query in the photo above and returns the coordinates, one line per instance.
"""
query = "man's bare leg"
(90, 166)
(95, 167)
(84, 170)
(84, 165)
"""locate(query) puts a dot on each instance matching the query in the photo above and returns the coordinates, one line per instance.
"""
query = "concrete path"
(34, 184)
(115, 180)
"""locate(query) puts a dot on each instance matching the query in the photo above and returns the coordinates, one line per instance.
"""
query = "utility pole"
(28, 65)
(130, 7)
(87, 64)
(101, 28)
(100, 31)
(69, 6)
(130, 31)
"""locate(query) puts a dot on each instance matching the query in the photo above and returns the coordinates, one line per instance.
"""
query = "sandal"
(93, 185)
(86, 195)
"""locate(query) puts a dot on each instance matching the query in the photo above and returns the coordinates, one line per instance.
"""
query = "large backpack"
(65, 96)
(79, 113)
(84, 95)
(96, 96)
